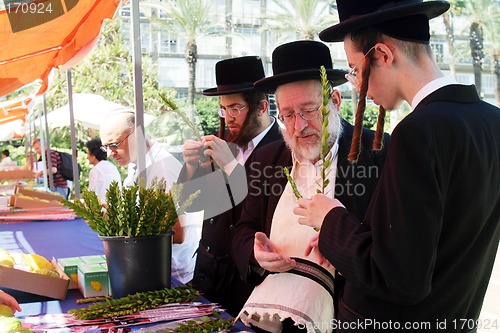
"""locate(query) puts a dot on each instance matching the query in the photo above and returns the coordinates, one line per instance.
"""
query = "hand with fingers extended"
(268, 256)
(218, 149)
(9, 301)
(314, 210)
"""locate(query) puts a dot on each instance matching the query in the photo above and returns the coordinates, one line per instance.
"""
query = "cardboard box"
(29, 202)
(93, 259)
(33, 283)
(29, 192)
(70, 268)
(93, 280)
(16, 174)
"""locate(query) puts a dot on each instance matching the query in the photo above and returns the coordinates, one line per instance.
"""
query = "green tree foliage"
(190, 19)
(107, 71)
(370, 116)
(304, 17)
(208, 118)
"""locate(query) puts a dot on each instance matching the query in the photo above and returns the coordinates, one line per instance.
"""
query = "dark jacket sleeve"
(257, 212)
(371, 251)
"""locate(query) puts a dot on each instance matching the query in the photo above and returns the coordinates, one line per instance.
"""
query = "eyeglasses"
(351, 76)
(307, 115)
(232, 111)
(114, 145)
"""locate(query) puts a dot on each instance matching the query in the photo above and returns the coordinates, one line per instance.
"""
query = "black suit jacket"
(425, 250)
(354, 187)
(215, 273)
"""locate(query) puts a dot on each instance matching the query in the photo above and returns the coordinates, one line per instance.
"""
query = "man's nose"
(300, 123)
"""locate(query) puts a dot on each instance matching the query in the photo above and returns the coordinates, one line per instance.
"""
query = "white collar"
(430, 88)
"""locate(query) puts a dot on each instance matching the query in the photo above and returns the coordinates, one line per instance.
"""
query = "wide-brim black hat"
(357, 14)
(297, 61)
(236, 75)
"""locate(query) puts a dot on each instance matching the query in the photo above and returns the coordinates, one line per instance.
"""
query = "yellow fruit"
(96, 285)
(74, 278)
(48, 271)
(36, 262)
(6, 263)
(5, 255)
(5, 311)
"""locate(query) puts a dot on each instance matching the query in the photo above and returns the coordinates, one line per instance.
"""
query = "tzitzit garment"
(306, 293)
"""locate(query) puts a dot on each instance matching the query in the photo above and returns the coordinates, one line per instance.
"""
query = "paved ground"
(491, 307)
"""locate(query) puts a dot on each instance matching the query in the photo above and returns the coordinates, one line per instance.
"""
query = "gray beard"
(310, 152)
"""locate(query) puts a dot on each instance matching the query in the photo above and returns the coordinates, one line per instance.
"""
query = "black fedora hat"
(357, 14)
(297, 61)
(236, 75)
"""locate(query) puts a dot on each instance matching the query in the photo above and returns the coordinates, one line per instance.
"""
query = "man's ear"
(336, 98)
(384, 52)
(263, 105)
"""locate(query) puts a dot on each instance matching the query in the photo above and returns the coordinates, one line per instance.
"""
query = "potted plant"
(136, 230)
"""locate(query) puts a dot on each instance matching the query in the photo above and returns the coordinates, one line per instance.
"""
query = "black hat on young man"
(401, 19)
(236, 75)
(297, 61)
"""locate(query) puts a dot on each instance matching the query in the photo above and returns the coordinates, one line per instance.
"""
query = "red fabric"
(55, 158)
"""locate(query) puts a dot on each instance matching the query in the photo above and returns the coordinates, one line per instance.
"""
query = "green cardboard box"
(93, 259)
(70, 267)
(93, 280)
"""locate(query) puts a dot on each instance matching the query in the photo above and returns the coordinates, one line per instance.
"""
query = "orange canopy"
(57, 34)
(13, 116)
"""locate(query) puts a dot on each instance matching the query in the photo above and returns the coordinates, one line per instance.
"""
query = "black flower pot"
(137, 264)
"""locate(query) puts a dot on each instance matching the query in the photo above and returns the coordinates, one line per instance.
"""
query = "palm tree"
(190, 19)
(491, 33)
(304, 17)
(477, 11)
(455, 10)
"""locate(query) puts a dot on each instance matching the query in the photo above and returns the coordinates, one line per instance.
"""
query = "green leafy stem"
(136, 302)
(324, 155)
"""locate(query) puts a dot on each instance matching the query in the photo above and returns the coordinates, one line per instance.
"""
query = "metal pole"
(49, 161)
(138, 96)
(42, 149)
(76, 178)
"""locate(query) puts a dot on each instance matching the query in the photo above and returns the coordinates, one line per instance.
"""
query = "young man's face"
(384, 88)
(234, 118)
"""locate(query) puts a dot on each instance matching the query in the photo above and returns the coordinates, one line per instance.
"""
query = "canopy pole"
(140, 134)
(42, 150)
(74, 153)
(49, 161)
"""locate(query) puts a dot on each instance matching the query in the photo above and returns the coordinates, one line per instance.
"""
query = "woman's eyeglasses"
(232, 111)
(351, 76)
(114, 145)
